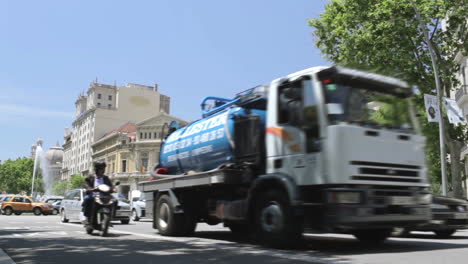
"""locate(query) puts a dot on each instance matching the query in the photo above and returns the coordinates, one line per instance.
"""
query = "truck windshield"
(366, 107)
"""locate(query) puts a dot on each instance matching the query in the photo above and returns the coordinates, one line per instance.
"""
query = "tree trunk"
(455, 166)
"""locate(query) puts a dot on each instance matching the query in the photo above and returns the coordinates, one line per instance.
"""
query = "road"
(43, 239)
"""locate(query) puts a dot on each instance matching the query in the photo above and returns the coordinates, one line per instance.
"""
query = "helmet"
(99, 165)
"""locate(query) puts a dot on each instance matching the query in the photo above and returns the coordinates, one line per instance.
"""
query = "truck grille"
(388, 172)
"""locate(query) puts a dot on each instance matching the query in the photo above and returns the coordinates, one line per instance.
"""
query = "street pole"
(34, 174)
(439, 99)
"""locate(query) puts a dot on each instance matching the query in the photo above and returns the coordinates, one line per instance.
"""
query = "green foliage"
(16, 176)
(384, 37)
(77, 181)
(60, 188)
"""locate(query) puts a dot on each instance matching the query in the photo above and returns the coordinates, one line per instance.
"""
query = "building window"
(149, 135)
(109, 106)
(141, 135)
(155, 135)
(110, 97)
(98, 96)
(99, 104)
(124, 166)
(144, 165)
(146, 135)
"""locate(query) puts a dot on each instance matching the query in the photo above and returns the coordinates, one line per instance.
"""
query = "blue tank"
(204, 144)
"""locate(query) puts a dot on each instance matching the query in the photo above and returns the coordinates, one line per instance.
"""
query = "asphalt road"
(43, 239)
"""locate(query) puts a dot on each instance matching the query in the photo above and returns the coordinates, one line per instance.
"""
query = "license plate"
(122, 213)
(460, 216)
(400, 200)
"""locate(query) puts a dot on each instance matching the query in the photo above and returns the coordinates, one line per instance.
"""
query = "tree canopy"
(16, 176)
(384, 36)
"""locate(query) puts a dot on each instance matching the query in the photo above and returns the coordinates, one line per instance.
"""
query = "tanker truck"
(326, 149)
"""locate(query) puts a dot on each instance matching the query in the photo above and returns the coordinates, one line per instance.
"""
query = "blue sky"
(51, 50)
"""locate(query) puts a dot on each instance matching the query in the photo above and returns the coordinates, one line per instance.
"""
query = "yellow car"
(18, 204)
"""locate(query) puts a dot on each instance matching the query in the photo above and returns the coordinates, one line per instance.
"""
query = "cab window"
(297, 106)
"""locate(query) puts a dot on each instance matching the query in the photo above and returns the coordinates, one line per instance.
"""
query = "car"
(18, 204)
(55, 201)
(70, 208)
(448, 216)
(4, 197)
(138, 207)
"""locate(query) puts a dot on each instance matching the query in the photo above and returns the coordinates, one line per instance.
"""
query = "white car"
(138, 207)
(70, 208)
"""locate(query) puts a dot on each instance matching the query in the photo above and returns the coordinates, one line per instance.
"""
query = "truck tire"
(239, 229)
(167, 222)
(372, 236)
(275, 222)
(444, 233)
(400, 232)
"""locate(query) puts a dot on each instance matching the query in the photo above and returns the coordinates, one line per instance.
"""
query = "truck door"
(293, 130)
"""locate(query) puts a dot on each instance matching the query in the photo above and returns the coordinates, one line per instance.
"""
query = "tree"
(16, 176)
(60, 188)
(77, 181)
(384, 36)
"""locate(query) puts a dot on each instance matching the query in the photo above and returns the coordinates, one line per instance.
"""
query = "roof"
(161, 116)
(125, 128)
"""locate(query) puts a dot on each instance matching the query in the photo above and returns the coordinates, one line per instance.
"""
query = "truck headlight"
(425, 198)
(344, 197)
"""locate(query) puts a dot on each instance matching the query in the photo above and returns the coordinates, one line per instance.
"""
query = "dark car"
(448, 216)
(55, 201)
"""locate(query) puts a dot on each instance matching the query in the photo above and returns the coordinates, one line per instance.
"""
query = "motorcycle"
(103, 208)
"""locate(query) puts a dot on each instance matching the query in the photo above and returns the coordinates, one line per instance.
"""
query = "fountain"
(45, 160)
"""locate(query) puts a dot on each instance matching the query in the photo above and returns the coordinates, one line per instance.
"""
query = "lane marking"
(4, 258)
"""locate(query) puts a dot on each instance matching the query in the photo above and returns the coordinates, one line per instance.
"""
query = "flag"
(432, 108)
(454, 113)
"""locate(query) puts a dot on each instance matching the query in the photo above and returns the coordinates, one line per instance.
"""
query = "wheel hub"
(163, 215)
(272, 218)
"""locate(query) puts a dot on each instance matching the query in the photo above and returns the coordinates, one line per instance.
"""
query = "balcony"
(461, 95)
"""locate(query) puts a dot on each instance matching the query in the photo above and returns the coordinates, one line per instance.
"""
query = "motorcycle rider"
(91, 183)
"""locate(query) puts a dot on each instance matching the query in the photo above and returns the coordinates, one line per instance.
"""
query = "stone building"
(102, 109)
(131, 150)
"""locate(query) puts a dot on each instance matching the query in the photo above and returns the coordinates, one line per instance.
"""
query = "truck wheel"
(125, 221)
(168, 223)
(400, 232)
(275, 222)
(372, 236)
(135, 216)
(239, 229)
(444, 233)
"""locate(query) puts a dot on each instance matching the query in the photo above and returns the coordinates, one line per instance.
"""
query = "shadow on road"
(349, 245)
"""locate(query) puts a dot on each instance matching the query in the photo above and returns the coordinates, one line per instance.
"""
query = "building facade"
(132, 150)
(102, 109)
